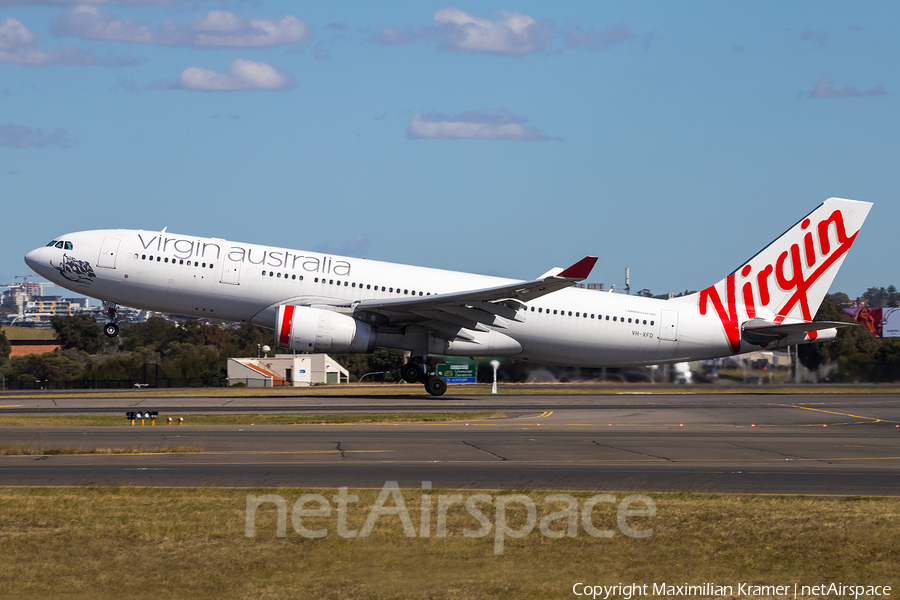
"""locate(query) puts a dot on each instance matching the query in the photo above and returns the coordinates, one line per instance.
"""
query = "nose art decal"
(79, 271)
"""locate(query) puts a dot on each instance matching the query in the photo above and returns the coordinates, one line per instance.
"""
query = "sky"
(674, 138)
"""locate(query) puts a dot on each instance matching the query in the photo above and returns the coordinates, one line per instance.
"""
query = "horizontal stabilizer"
(759, 331)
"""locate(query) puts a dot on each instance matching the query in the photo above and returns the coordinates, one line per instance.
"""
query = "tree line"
(860, 355)
(200, 351)
(192, 350)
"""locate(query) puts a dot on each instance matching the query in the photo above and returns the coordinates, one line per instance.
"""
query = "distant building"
(28, 340)
(295, 370)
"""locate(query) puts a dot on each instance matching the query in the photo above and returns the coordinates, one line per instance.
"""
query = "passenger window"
(382, 288)
(645, 321)
(59, 245)
(68, 245)
(143, 257)
(181, 262)
(651, 322)
(578, 314)
(368, 286)
(317, 280)
(607, 317)
(540, 310)
(629, 319)
(420, 293)
(592, 315)
(614, 318)
(158, 259)
(279, 276)
(204, 265)
(271, 273)
(405, 292)
(554, 311)
(585, 315)
(264, 273)
(167, 259)
(346, 284)
(301, 278)
(532, 309)
(392, 289)
(570, 313)
(331, 281)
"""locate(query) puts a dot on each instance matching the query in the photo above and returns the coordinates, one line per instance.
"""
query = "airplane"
(319, 302)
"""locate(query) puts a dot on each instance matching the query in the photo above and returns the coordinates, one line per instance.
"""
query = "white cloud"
(18, 136)
(825, 89)
(514, 34)
(89, 23)
(217, 28)
(18, 47)
(241, 75)
(483, 124)
(222, 28)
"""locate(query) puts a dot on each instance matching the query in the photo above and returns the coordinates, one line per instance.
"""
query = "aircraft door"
(231, 271)
(108, 251)
(668, 325)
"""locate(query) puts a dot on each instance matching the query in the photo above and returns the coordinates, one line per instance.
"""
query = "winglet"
(580, 270)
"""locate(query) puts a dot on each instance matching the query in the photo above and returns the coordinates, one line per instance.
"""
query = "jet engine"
(315, 330)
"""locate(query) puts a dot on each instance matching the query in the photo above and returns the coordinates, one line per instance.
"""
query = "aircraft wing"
(448, 314)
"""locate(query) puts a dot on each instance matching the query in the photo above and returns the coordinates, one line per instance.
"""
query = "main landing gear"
(414, 372)
(111, 329)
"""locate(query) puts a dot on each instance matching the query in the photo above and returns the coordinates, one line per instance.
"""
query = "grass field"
(247, 419)
(190, 543)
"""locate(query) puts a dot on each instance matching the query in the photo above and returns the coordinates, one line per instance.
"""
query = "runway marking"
(11, 405)
(873, 419)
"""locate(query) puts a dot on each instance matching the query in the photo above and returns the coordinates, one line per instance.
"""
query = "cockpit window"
(51, 243)
(59, 244)
(68, 245)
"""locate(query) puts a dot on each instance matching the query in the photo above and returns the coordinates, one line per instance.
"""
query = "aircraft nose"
(36, 260)
(31, 259)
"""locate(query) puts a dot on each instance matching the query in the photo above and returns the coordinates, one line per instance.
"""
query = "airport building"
(295, 370)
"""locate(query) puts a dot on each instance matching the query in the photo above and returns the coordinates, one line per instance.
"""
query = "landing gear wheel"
(410, 373)
(435, 386)
(111, 330)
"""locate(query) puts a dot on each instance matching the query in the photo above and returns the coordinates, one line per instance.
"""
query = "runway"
(841, 444)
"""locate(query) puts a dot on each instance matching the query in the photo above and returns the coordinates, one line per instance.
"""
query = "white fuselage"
(215, 278)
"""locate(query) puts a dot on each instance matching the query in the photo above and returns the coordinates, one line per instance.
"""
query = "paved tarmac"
(839, 444)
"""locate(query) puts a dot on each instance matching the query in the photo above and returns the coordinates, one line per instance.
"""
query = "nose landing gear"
(415, 372)
(111, 329)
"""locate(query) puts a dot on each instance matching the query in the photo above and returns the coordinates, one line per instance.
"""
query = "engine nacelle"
(315, 330)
